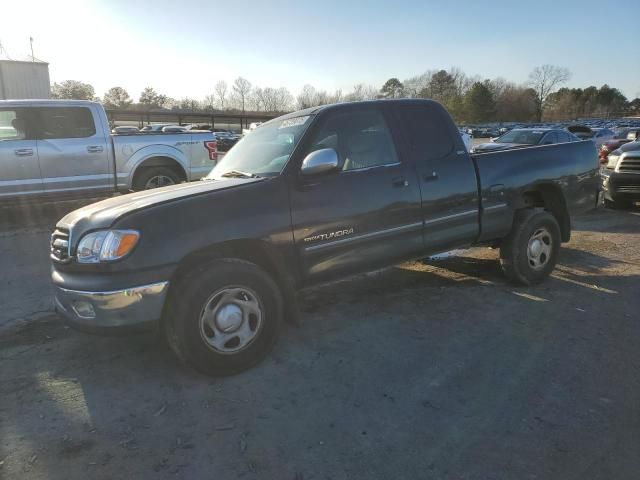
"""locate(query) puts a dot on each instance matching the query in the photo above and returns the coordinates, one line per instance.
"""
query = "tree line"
(470, 99)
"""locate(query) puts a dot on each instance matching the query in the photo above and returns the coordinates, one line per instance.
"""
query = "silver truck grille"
(60, 245)
(629, 165)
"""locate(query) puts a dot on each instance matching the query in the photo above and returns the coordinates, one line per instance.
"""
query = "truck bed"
(504, 177)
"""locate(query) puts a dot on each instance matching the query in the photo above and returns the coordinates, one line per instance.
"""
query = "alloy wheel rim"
(158, 181)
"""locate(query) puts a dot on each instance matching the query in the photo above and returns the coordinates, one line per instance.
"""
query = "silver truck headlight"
(106, 245)
(612, 160)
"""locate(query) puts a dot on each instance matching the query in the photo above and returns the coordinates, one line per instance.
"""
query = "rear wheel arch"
(551, 198)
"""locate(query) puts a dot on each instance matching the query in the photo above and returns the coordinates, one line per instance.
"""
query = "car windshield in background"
(265, 151)
(523, 137)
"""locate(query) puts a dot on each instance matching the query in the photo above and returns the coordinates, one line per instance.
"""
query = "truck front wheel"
(530, 252)
(224, 317)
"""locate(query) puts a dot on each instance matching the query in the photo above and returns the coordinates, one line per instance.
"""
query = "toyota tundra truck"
(64, 148)
(309, 197)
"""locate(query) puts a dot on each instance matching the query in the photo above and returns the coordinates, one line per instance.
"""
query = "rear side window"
(66, 122)
(13, 125)
(428, 132)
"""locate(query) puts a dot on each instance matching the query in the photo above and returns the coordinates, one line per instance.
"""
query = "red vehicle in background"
(622, 136)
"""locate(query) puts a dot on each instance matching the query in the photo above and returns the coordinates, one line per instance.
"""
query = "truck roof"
(346, 105)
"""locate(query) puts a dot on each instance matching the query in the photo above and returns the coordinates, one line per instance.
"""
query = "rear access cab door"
(19, 167)
(446, 174)
(364, 214)
(73, 150)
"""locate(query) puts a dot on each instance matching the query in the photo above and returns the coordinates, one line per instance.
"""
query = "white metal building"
(24, 79)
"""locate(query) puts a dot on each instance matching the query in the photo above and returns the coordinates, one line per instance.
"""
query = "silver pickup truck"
(64, 148)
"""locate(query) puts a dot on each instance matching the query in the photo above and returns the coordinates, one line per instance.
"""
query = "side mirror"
(320, 161)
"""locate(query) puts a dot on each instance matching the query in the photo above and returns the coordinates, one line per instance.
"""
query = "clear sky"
(182, 48)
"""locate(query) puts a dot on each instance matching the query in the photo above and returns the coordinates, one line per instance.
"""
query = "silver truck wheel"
(159, 181)
(530, 251)
(231, 319)
(539, 248)
(224, 316)
(154, 177)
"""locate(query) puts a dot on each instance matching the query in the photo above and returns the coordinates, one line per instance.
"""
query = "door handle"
(95, 148)
(400, 182)
(24, 152)
(429, 177)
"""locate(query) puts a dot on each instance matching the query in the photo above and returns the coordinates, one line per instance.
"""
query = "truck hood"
(630, 147)
(104, 213)
(494, 147)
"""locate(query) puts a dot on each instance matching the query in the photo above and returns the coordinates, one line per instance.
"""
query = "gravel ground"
(431, 369)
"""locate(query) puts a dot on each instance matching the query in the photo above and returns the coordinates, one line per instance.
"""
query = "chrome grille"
(60, 245)
(629, 164)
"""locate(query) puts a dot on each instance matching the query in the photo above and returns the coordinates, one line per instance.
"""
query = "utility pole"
(33, 59)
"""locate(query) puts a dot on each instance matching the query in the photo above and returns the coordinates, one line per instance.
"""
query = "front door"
(367, 212)
(19, 168)
(73, 152)
(448, 181)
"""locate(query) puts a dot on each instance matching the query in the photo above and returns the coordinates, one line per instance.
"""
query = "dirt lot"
(432, 369)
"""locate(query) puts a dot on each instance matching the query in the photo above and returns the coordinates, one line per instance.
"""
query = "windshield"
(263, 152)
(525, 137)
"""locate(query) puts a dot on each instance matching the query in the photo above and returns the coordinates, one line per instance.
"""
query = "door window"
(362, 139)
(66, 122)
(13, 125)
(549, 138)
(427, 132)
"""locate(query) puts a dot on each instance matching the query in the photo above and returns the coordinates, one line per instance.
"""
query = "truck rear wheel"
(224, 317)
(530, 252)
(154, 177)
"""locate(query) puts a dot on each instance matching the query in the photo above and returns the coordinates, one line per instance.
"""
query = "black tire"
(193, 292)
(146, 174)
(514, 259)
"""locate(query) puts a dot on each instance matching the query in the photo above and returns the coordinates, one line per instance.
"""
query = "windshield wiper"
(239, 174)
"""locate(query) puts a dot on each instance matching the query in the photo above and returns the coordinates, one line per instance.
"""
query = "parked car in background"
(125, 129)
(176, 129)
(199, 126)
(466, 139)
(526, 137)
(63, 148)
(308, 197)
(621, 176)
(622, 136)
(599, 135)
(156, 127)
(226, 140)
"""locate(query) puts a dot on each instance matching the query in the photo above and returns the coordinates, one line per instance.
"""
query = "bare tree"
(209, 102)
(545, 80)
(306, 97)
(241, 88)
(221, 92)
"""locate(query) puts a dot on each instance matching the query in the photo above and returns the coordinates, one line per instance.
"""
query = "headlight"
(612, 160)
(106, 245)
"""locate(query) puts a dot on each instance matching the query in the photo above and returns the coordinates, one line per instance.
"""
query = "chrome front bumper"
(95, 311)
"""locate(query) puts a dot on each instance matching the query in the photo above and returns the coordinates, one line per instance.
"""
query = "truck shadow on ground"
(107, 401)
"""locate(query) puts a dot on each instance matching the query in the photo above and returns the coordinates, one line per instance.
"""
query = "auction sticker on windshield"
(293, 122)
